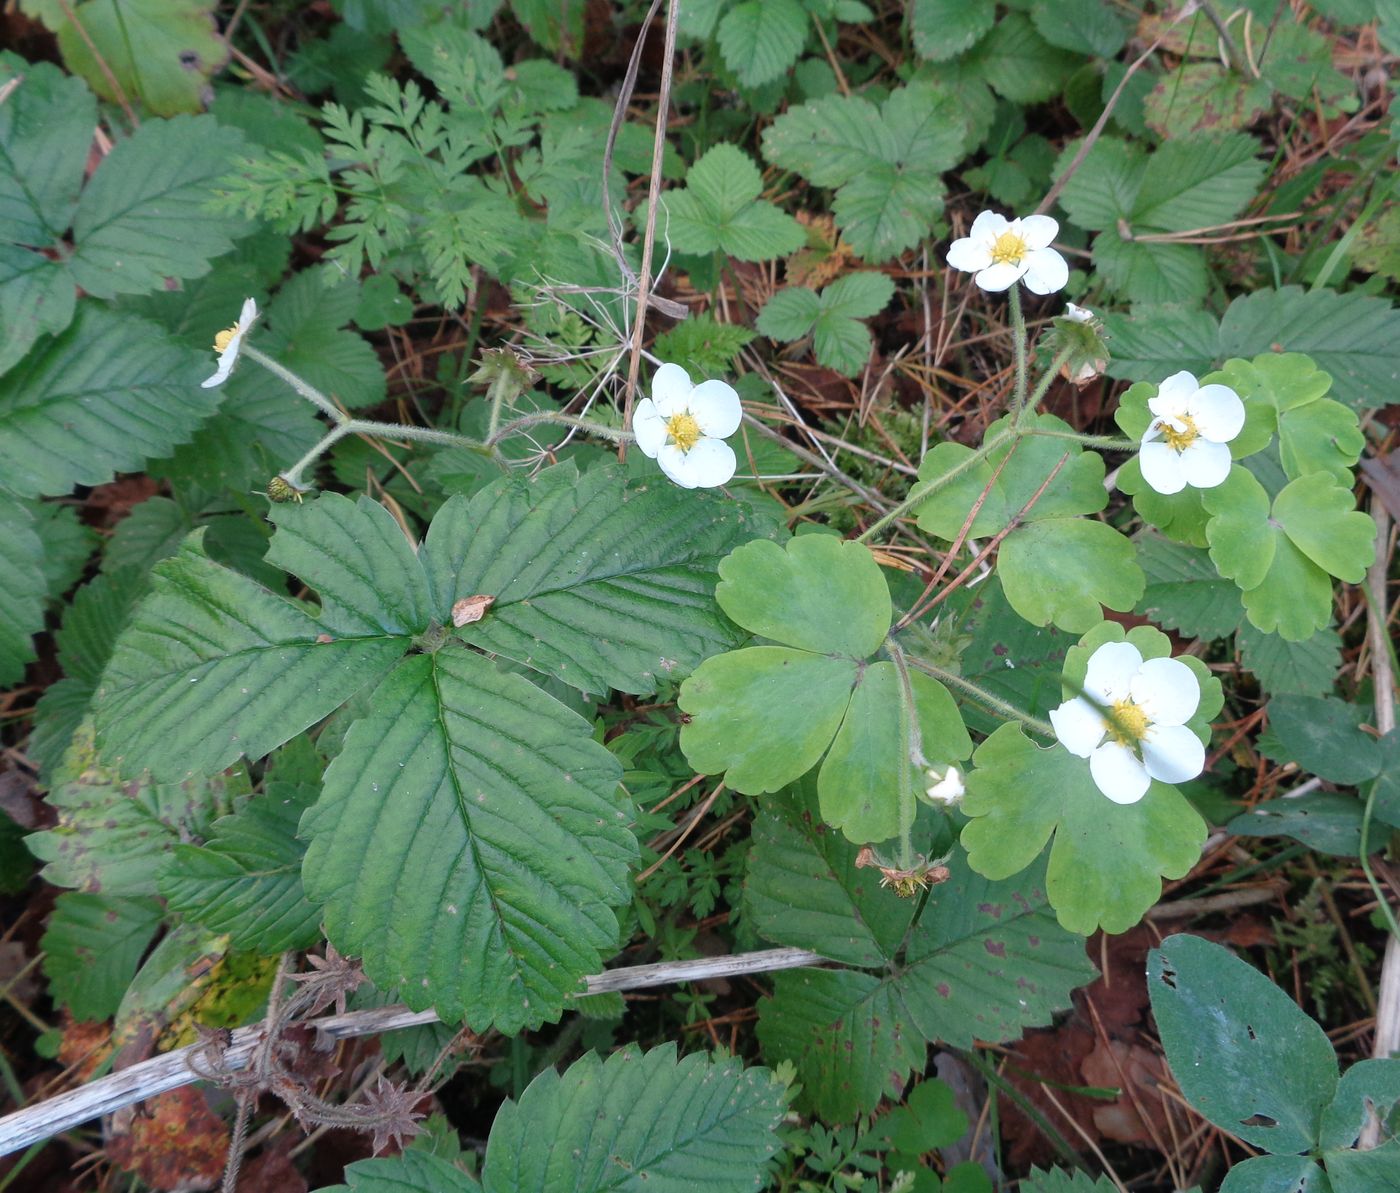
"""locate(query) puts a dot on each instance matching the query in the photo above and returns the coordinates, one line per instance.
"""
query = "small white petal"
(1038, 231)
(1118, 773)
(1217, 412)
(1167, 690)
(1046, 271)
(988, 226)
(1078, 314)
(672, 461)
(1109, 675)
(1079, 726)
(670, 387)
(970, 255)
(247, 314)
(1205, 464)
(1173, 394)
(948, 789)
(649, 426)
(1001, 276)
(1161, 468)
(1172, 753)
(708, 464)
(220, 376)
(716, 408)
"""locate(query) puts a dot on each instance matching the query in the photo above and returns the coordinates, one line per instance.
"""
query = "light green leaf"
(596, 582)
(1081, 26)
(1321, 518)
(1021, 65)
(720, 211)
(638, 1121)
(498, 802)
(161, 53)
(1184, 592)
(46, 127)
(943, 29)
(839, 339)
(761, 39)
(1062, 569)
(413, 1171)
(1294, 599)
(1304, 668)
(1240, 1049)
(112, 836)
(789, 314)
(22, 589)
(92, 947)
(213, 666)
(702, 345)
(104, 396)
(1205, 97)
(144, 215)
(885, 163)
(245, 879)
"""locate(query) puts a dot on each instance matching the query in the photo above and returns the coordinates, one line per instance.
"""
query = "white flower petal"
(1118, 773)
(969, 254)
(1001, 276)
(1173, 394)
(710, 463)
(247, 314)
(1204, 464)
(1167, 690)
(717, 409)
(1078, 314)
(649, 426)
(1217, 412)
(949, 789)
(1172, 753)
(672, 461)
(221, 374)
(1161, 468)
(1046, 271)
(988, 226)
(1109, 675)
(1038, 231)
(670, 387)
(1079, 726)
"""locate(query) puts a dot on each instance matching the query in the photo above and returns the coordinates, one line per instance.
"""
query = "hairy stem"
(983, 697)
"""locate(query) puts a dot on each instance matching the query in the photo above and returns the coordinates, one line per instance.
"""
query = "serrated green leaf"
(412, 1171)
(161, 53)
(92, 948)
(1184, 592)
(102, 397)
(245, 880)
(637, 1121)
(1062, 569)
(702, 345)
(1239, 1047)
(1305, 668)
(886, 162)
(213, 666)
(1058, 1180)
(506, 812)
(1081, 26)
(598, 583)
(789, 314)
(144, 215)
(1021, 65)
(761, 39)
(1205, 97)
(720, 211)
(22, 589)
(37, 298)
(943, 29)
(112, 836)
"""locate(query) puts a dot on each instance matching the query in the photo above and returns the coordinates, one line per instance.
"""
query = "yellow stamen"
(1008, 249)
(684, 431)
(1127, 723)
(225, 337)
(1179, 441)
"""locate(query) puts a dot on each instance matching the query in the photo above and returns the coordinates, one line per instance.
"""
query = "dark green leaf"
(1322, 735)
(22, 589)
(92, 948)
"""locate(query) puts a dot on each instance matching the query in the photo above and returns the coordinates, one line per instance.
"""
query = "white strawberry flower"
(1002, 252)
(228, 342)
(1130, 723)
(947, 789)
(683, 428)
(1192, 426)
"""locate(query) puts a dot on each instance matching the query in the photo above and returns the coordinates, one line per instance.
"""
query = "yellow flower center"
(1127, 723)
(225, 337)
(684, 431)
(1179, 441)
(1008, 249)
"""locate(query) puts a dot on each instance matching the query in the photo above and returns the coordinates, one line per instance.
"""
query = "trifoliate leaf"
(855, 1036)
(1305, 668)
(23, 589)
(1061, 570)
(144, 215)
(761, 39)
(1021, 65)
(885, 163)
(1240, 1049)
(637, 1121)
(1323, 736)
(245, 879)
(1184, 592)
(505, 812)
(720, 211)
(112, 836)
(597, 583)
(104, 396)
(92, 948)
(840, 341)
(160, 53)
(213, 666)
(943, 29)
